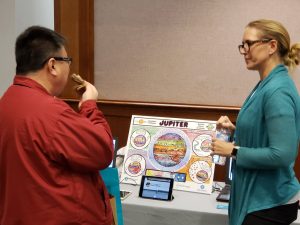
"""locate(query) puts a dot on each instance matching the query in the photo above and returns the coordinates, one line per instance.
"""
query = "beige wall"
(180, 51)
(15, 16)
(7, 27)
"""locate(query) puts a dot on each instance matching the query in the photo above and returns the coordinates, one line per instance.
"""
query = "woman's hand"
(225, 123)
(221, 148)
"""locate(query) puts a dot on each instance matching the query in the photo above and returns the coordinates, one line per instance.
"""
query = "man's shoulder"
(59, 105)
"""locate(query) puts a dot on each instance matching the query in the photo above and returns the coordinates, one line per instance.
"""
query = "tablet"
(159, 188)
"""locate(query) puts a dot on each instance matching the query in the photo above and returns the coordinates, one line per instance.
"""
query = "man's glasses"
(65, 59)
(245, 46)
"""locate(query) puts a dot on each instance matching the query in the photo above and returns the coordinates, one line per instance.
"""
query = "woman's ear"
(273, 47)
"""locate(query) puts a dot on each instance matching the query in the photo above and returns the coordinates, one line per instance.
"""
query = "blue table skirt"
(110, 177)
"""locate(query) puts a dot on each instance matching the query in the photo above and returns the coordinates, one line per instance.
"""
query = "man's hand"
(86, 89)
(90, 93)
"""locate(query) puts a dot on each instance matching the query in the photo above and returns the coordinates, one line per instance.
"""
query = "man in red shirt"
(49, 154)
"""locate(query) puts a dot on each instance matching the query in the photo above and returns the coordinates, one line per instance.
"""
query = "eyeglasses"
(65, 59)
(245, 46)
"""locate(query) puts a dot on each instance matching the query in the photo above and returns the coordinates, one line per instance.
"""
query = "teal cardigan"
(267, 131)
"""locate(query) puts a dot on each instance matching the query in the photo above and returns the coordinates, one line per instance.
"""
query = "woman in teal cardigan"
(265, 190)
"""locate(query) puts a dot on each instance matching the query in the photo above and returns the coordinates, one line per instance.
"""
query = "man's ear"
(52, 67)
(273, 47)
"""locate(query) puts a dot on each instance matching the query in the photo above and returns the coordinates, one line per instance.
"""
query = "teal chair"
(110, 177)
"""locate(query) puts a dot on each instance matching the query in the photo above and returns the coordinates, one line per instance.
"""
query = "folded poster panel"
(177, 147)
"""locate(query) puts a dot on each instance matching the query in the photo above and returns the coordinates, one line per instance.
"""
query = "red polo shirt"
(49, 159)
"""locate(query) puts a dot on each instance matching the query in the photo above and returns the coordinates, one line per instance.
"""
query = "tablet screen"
(156, 188)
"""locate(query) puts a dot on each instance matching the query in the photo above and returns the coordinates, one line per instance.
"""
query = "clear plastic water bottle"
(222, 134)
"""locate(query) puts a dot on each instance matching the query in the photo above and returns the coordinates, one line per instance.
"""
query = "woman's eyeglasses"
(245, 46)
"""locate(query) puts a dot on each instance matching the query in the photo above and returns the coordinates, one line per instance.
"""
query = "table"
(186, 208)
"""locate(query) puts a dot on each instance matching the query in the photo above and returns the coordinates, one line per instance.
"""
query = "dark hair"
(34, 46)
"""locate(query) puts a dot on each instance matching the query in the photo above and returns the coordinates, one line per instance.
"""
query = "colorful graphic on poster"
(135, 165)
(180, 147)
(169, 150)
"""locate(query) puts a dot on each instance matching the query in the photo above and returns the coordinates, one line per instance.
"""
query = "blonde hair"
(275, 30)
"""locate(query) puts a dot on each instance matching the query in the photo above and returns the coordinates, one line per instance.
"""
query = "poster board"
(173, 147)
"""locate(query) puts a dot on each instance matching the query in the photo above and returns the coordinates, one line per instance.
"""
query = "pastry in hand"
(77, 78)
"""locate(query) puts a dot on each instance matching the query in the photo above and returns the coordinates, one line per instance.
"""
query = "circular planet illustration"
(135, 165)
(202, 175)
(140, 139)
(169, 150)
(201, 144)
(200, 171)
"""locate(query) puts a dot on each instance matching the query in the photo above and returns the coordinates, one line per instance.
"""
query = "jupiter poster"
(170, 147)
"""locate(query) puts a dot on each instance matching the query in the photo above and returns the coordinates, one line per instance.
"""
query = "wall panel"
(180, 51)
(75, 20)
